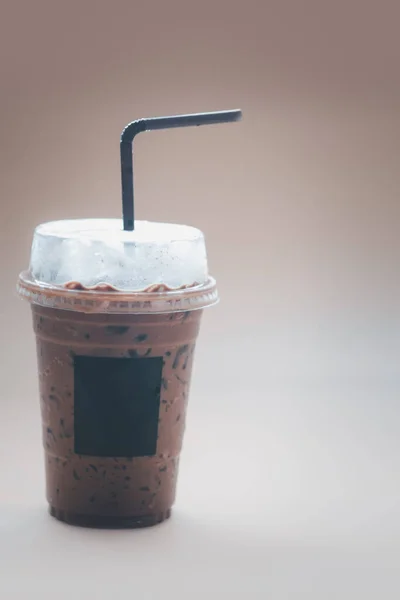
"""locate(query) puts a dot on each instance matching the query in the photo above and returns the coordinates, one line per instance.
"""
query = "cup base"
(108, 522)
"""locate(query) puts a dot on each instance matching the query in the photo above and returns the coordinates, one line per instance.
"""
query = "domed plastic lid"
(90, 252)
(96, 257)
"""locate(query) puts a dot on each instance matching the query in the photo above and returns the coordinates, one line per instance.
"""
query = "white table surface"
(298, 501)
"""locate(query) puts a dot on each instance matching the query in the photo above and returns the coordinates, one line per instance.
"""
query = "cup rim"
(117, 302)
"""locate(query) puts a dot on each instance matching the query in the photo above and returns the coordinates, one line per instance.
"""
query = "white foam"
(93, 251)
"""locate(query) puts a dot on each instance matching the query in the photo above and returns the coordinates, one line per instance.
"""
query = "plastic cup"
(116, 316)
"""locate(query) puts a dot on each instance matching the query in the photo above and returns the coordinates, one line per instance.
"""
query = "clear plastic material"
(93, 266)
(90, 252)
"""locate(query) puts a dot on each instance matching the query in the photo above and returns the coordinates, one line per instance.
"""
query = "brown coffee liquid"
(113, 394)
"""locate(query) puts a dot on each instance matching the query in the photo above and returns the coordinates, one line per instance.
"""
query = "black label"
(117, 402)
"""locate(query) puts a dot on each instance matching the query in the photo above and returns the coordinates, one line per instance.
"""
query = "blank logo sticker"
(117, 402)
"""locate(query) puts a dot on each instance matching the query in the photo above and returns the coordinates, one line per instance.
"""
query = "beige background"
(296, 386)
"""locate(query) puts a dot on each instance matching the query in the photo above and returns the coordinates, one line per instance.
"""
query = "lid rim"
(135, 302)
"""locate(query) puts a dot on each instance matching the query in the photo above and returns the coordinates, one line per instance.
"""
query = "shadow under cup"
(113, 393)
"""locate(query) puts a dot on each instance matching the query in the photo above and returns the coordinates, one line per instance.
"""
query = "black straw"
(131, 130)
